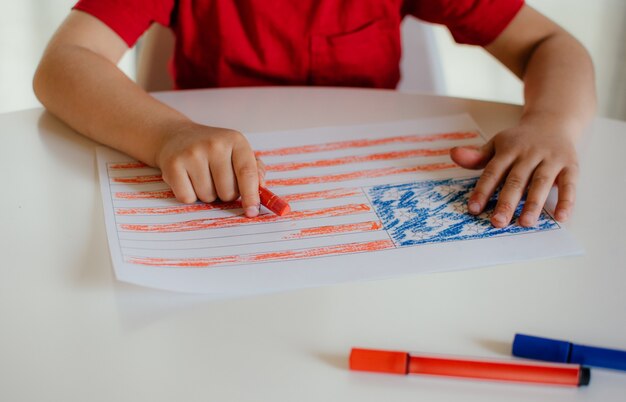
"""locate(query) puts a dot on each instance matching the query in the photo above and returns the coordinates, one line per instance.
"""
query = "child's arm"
(78, 80)
(559, 101)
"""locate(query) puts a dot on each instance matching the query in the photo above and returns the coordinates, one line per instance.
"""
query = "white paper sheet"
(368, 202)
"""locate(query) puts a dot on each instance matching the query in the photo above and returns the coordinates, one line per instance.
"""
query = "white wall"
(25, 28)
(600, 25)
(26, 25)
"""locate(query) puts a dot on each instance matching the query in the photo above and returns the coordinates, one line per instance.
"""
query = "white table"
(70, 332)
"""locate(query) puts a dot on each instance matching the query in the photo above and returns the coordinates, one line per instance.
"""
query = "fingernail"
(561, 215)
(499, 218)
(474, 207)
(252, 211)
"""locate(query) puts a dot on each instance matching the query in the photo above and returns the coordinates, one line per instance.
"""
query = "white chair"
(420, 65)
(154, 51)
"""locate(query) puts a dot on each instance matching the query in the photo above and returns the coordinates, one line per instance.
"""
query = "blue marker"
(533, 347)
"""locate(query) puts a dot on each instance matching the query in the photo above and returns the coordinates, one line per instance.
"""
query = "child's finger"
(224, 178)
(567, 193)
(198, 171)
(487, 183)
(247, 172)
(178, 180)
(538, 191)
(261, 167)
(511, 193)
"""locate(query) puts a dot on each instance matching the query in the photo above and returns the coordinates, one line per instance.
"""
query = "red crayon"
(500, 370)
(273, 202)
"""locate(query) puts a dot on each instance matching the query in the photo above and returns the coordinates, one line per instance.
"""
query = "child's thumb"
(471, 157)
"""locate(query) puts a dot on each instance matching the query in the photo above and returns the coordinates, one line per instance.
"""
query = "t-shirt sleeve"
(129, 18)
(474, 22)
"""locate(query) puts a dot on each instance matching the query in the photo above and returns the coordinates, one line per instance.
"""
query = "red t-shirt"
(224, 43)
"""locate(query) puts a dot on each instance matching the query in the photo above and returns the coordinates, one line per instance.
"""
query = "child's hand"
(530, 155)
(207, 163)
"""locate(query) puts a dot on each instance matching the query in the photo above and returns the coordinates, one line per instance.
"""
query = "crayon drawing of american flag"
(349, 192)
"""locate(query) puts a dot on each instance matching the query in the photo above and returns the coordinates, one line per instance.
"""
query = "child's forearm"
(557, 71)
(78, 81)
(93, 96)
(559, 83)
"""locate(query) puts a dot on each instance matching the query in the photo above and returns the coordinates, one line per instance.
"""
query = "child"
(314, 42)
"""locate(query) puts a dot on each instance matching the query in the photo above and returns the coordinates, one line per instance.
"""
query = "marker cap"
(533, 347)
(380, 361)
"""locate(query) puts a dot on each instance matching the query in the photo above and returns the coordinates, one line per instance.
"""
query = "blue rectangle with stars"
(436, 211)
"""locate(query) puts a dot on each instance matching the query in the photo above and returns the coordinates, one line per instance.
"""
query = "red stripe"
(128, 165)
(372, 173)
(370, 226)
(314, 179)
(145, 195)
(283, 167)
(333, 146)
(200, 224)
(180, 209)
(265, 257)
(313, 195)
(138, 179)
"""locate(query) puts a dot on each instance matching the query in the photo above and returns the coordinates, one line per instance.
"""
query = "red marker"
(500, 370)
(273, 202)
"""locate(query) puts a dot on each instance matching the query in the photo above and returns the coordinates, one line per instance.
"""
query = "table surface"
(70, 332)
